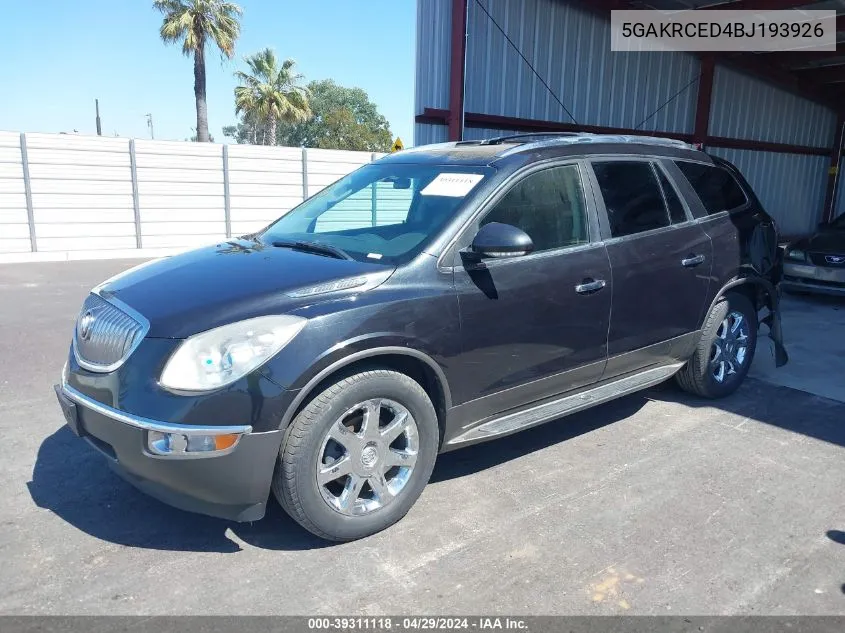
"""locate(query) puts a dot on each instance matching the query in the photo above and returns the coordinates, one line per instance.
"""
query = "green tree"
(270, 93)
(196, 23)
(344, 118)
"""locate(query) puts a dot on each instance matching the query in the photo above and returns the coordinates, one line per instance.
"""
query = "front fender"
(336, 359)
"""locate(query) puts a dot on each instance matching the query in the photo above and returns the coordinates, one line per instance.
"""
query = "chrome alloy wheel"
(730, 348)
(367, 456)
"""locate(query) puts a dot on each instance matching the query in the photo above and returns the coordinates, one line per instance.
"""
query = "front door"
(661, 262)
(536, 325)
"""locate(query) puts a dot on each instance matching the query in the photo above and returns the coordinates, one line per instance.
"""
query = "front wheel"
(358, 456)
(724, 353)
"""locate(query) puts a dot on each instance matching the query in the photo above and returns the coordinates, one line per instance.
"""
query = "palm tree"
(270, 93)
(196, 23)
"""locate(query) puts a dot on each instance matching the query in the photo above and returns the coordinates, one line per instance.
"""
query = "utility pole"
(150, 125)
(97, 107)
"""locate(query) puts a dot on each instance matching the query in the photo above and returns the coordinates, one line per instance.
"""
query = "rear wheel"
(357, 457)
(724, 353)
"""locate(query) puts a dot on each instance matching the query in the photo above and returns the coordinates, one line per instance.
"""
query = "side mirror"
(500, 240)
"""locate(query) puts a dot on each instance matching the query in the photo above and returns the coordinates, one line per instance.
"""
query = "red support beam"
(702, 106)
(479, 120)
(456, 69)
(833, 174)
(475, 119)
(765, 146)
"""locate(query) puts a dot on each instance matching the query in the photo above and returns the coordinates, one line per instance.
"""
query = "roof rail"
(586, 137)
(496, 140)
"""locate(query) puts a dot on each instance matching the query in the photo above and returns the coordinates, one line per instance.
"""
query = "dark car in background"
(433, 299)
(817, 263)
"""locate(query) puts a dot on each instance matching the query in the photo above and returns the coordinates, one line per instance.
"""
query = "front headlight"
(219, 357)
(796, 254)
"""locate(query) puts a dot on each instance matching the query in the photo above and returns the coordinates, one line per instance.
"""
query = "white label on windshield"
(452, 185)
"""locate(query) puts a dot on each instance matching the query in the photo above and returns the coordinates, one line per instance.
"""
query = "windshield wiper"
(314, 247)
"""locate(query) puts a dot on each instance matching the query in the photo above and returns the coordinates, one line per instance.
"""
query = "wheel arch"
(411, 362)
(762, 293)
(758, 290)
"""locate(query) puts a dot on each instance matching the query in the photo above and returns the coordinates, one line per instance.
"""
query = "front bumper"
(234, 484)
(811, 278)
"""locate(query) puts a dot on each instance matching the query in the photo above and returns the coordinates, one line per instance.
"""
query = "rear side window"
(548, 205)
(716, 187)
(632, 197)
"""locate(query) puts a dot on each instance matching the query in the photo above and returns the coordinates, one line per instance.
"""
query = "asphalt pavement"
(658, 503)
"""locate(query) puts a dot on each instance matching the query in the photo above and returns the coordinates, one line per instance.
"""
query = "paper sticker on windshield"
(452, 185)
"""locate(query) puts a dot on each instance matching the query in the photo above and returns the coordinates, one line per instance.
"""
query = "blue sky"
(58, 56)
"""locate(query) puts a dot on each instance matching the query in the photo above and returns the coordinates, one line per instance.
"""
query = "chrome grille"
(106, 335)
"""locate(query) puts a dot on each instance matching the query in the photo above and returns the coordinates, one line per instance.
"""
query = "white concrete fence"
(76, 197)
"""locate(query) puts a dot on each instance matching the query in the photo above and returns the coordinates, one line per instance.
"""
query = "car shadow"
(784, 407)
(73, 481)
(480, 457)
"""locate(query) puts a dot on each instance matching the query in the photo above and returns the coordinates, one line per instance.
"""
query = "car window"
(632, 197)
(673, 202)
(548, 205)
(379, 204)
(715, 186)
(384, 212)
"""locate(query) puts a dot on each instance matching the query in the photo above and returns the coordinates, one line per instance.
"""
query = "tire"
(330, 438)
(701, 374)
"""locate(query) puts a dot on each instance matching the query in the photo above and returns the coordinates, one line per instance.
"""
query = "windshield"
(381, 213)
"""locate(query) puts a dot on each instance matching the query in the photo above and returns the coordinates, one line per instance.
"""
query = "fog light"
(179, 444)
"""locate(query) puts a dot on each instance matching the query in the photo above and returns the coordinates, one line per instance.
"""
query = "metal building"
(780, 117)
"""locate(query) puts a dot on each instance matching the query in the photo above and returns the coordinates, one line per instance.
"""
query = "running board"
(548, 411)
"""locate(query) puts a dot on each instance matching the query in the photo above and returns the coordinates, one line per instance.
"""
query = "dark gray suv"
(436, 298)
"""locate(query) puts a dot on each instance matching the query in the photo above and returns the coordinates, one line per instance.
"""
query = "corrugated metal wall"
(83, 199)
(570, 49)
(434, 20)
(790, 186)
(748, 108)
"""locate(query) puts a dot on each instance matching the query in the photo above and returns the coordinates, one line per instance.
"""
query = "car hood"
(830, 242)
(227, 282)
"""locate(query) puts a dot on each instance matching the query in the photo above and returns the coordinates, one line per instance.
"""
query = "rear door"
(661, 260)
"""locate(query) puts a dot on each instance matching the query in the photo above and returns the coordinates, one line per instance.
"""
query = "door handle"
(693, 260)
(590, 285)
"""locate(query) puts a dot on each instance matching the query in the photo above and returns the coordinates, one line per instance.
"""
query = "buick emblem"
(835, 259)
(85, 325)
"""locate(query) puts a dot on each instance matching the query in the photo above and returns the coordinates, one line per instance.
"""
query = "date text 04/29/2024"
(421, 623)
